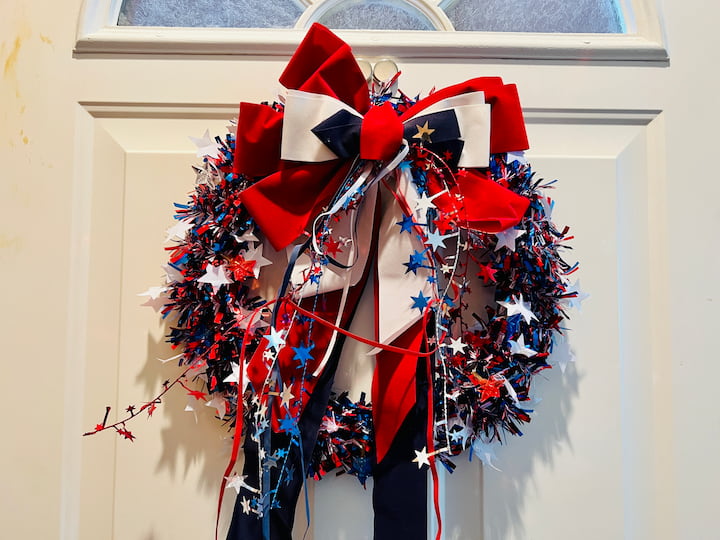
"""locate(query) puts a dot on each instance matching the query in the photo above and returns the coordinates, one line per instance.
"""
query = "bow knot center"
(381, 133)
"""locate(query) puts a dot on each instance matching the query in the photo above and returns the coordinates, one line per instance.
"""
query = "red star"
(447, 155)
(487, 273)
(99, 427)
(444, 224)
(490, 389)
(332, 247)
(241, 269)
(151, 408)
(127, 434)
(197, 394)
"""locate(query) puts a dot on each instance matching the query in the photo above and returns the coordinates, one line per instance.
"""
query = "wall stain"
(46, 39)
(11, 60)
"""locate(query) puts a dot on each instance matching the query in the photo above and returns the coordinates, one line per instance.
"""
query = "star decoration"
(245, 503)
(256, 254)
(485, 453)
(518, 306)
(436, 240)
(237, 482)
(215, 276)
(234, 377)
(275, 339)
(206, 146)
(457, 346)
(420, 301)
(153, 292)
(406, 224)
(580, 296)
(416, 261)
(178, 231)
(332, 247)
(461, 436)
(444, 224)
(424, 203)
(422, 457)
(487, 273)
(302, 353)
(507, 238)
(288, 424)
(286, 395)
(423, 132)
(490, 388)
(220, 405)
(172, 274)
(240, 268)
(518, 347)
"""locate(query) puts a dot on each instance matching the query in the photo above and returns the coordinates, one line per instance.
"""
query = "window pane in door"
(211, 13)
(565, 16)
(375, 15)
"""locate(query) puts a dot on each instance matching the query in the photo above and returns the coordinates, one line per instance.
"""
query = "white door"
(94, 150)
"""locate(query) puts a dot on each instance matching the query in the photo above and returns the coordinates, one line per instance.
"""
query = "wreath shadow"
(189, 439)
(505, 493)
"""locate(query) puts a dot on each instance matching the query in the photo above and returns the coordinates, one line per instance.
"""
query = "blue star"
(406, 224)
(315, 278)
(302, 354)
(288, 424)
(431, 279)
(420, 301)
(416, 261)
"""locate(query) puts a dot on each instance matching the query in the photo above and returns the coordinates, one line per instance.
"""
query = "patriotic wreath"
(333, 193)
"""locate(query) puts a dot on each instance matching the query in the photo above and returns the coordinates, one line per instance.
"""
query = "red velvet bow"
(290, 194)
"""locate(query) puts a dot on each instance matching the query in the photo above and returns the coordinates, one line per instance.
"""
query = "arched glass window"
(558, 16)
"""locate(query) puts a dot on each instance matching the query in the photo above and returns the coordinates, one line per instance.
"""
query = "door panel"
(141, 164)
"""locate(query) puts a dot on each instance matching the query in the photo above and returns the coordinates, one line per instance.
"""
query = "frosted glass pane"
(375, 15)
(585, 16)
(591, 16)
(211, 13)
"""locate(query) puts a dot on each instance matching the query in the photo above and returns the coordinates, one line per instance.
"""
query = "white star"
(424, 203)
(234, 377)
(457, 346)
(330, 424)
(245, 505)
(286, 395)
(206, 146)
(577, 301)
(256, 254)
(220, 405)
(446, 269)
(172, 274)
(518, 306)
(275, 339)
(178, 231)
(516, 156)
(463, 434)
(153, 292)
(436, 240)
(215, 276)
(518, 347)
(247, 236)
(237, 482)
(485, 453)
(507, 238)
(422, 457)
